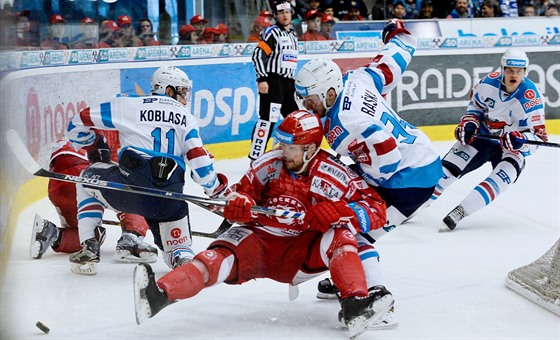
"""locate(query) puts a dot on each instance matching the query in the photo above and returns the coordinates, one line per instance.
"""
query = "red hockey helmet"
(300, 127)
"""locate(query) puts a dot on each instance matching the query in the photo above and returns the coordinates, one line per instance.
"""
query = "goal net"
(539, 281)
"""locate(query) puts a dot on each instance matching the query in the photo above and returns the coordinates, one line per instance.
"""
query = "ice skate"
(178, 257)
(149, 299)
(388, 321)
(453, 218)
(327, 290)
(131, 248)
(43, 236)
(359, 313)
(83, 261)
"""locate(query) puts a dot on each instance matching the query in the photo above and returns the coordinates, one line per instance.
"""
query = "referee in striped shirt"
(275, 61)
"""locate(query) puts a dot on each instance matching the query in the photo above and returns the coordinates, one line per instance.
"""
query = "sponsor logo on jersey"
(292, 58)
(493, 75)
(324, 188)
(530, 94)
(536, 118)
(490, 102)
(532, 103)
(461, 154)
(333, 134)
(149, 100)
(334, 172)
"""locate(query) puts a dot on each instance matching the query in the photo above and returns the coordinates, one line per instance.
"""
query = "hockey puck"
(43, 327)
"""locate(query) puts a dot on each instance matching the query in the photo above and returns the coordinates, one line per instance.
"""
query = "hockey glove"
(394, 27)
(468, 126)
(512, 140)
(221, 188)
(238, 208)
(321, 216)
(99, 150)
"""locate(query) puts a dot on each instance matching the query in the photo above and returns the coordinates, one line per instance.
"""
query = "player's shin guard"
(370, 262)
(183, 282)
(176, 240)
(501, 178)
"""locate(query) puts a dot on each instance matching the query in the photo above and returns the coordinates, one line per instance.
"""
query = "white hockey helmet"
(171, 76)
(515, 57)
(317, 77)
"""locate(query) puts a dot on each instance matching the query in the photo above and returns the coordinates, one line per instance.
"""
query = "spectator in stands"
(267, 14)
(207, 36)
(412, 8)
(313, 20)
(381, 10)
(260, 24)
(327, 23)
(399, 11)
(460, 11)
(552, 11)
(353, 12)
(188, 35)
(328, 9)
(146, 33)
(198, 22)
(426, 10)
(126, 35)
(221, 34)
(89, 36)
(22, 34)
(108, 34)
(314, 4)
(529, 10)
(508, 8)
(341, 8)
(56, 39)
(490, 9)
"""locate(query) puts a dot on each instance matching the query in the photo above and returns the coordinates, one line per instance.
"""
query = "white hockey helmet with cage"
(515, 57)
(318, 77)
(171, 76)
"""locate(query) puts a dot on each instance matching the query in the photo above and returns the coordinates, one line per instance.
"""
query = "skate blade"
(385, 323)
(444, 229)
(141, 305)
(293, 292)
(87, 268)
(127, 257)
(34, 245)
(326, 296)
(357, 326)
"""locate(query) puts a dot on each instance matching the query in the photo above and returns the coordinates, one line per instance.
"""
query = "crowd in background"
(313, 20)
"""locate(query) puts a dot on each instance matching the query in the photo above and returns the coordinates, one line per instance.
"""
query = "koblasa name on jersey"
(176, 118)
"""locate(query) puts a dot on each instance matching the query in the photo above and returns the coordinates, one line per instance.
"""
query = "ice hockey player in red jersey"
(300, 177)
(65, 239)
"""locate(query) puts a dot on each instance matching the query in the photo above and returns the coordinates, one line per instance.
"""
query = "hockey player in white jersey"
(159, 137)
(391, 155)
(503, 104)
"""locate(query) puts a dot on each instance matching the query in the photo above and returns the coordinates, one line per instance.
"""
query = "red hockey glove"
(222, 186)
(468, 126)
(512, 140)
(394, 27)
(238, 208)
(99, 150)
(321, 216)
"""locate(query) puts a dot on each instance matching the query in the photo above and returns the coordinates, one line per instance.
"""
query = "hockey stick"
(18, 148)
(221, 229)
(531, 142)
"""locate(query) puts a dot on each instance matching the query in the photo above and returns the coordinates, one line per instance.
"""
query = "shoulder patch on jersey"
(494, 75)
